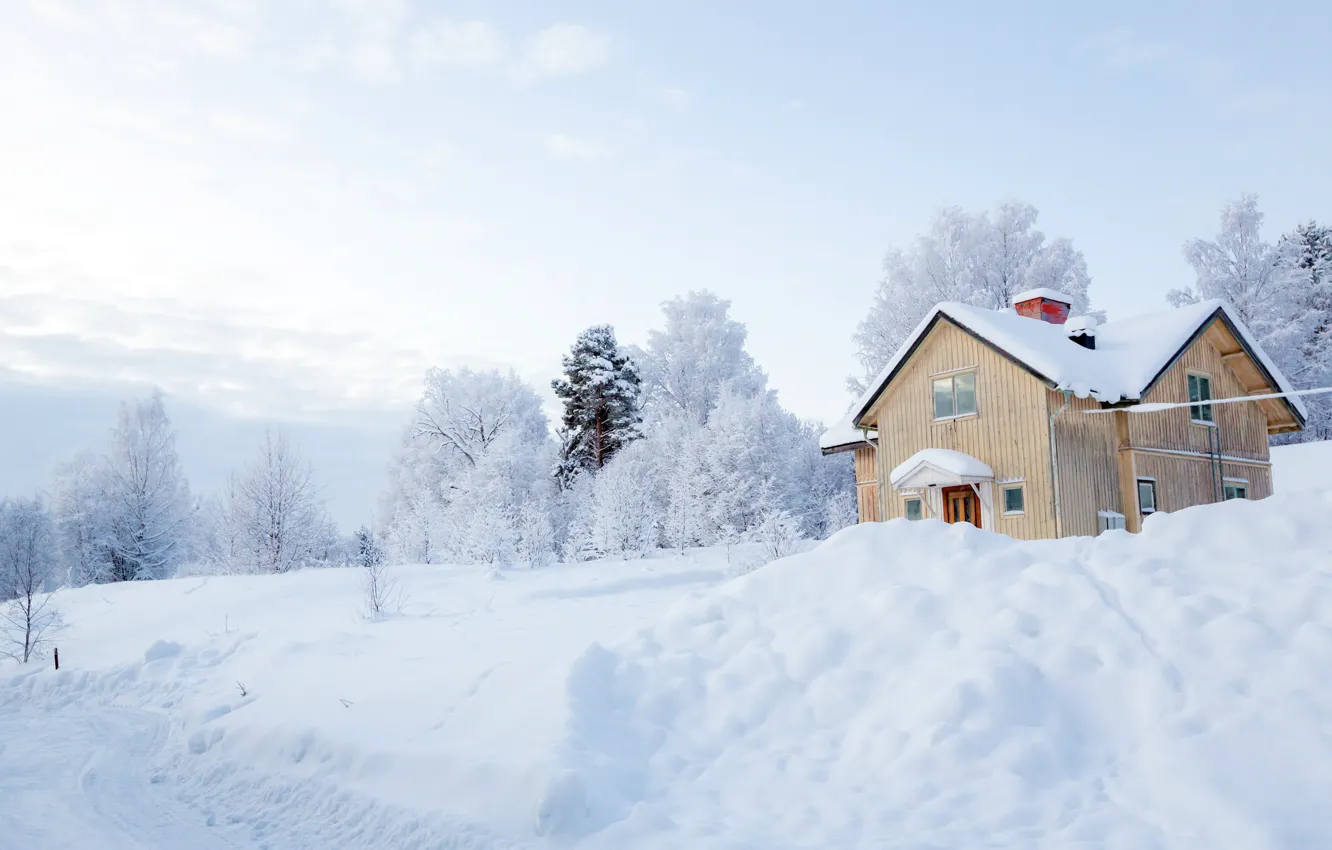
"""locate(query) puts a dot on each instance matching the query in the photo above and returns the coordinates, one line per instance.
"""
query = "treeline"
(677, 443)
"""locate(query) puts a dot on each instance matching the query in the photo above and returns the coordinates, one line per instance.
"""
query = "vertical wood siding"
(1182, 482)
(1088, 475)
(1010, 431)
(867, 485)
(1241, 427)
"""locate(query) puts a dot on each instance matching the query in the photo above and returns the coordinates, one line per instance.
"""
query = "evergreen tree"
(367, 552)
(600, 390)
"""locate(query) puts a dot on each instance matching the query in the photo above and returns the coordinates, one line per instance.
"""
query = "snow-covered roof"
(1042, 292)
(1129, 353)
(843, 435)
(955, 465)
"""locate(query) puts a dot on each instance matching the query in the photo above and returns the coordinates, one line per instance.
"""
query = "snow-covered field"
(901, 685)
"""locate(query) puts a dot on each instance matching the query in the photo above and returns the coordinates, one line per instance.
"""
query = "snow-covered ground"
(901, 685)
(1302, 466)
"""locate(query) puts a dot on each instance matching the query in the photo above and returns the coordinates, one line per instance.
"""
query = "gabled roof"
(1130, 356)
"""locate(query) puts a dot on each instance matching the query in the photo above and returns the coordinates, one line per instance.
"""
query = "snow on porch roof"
(1129, 353)
(958, 468)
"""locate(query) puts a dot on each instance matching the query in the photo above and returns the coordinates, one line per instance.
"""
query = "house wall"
(1241, 427)
(1010, 431)
(867, 485)
(1088, 476)
(1182, 482)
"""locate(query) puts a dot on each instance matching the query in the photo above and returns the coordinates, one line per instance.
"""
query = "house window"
(1200, 390)
(955, 395)
(1146, 496)
(1235, 489)
(1013, 501)
(913, 509)
(1109, 521)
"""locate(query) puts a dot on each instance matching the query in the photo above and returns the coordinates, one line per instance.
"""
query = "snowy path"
(84, 778)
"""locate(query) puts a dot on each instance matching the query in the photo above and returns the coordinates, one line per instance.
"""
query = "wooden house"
(1014, 420)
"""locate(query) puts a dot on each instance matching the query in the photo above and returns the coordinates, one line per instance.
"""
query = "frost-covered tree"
(1308, 253)
(83, 530)
(622, 516)
(982, 258)
(1242, 268)
(1280, 291)
(685, 483)
(146, 495)
(477, 452)
(27, 571)
(270, 518)
(601, 395)
(700, 350)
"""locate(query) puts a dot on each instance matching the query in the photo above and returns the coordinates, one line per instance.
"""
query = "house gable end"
(864, 417)
(1235, 349)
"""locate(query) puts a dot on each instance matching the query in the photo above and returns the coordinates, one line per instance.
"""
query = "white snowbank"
(923, 685)
(1302, 466)
(904, 684)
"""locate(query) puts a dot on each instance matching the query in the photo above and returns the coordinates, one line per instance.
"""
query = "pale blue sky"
(279, 209)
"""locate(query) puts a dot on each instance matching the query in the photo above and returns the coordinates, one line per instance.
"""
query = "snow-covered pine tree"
(366, 552)
(600, 390)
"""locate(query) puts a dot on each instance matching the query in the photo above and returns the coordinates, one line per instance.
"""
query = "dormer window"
(955, 395)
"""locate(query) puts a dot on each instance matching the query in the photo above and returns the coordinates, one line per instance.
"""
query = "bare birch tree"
(27, 565)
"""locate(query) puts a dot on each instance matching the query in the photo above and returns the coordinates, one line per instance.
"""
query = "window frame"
(1202, 412)
(1156, 504)
(906, 509)
(1003, 491)
(951, 379)
(1234, 484)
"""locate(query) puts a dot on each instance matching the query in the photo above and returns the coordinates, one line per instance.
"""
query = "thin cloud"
(565, 146)
(563, 50)
(466, 44)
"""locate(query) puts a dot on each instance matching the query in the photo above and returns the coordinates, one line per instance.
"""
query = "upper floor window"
(1200, 390)
(955, 395)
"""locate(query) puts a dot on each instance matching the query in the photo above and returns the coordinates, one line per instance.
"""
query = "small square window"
(1013, 500)
(1146, 496)
(913, 509)
(1109, 521)
(955, 396)
(1200, 390)
(1236, 490)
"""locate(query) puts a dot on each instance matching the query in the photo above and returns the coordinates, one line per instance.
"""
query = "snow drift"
(924, 685)
(903, 685)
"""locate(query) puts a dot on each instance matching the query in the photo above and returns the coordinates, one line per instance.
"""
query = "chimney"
(1082, 330)
(1043, 304)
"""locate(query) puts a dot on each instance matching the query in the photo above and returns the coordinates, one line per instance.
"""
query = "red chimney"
(1044, 304)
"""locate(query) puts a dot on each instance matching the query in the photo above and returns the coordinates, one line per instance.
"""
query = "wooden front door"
(961, 505)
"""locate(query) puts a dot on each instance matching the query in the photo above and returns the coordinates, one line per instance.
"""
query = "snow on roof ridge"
(1043, 292)
(1129, 353)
